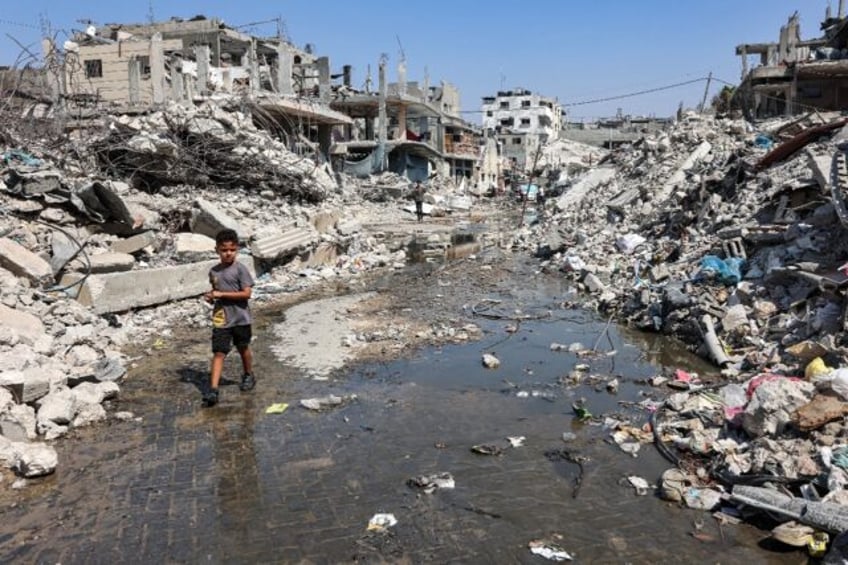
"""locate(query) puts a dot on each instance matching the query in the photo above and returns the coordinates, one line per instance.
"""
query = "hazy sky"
(573, 50)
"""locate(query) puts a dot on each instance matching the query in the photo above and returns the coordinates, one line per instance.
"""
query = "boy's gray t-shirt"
(228, 313)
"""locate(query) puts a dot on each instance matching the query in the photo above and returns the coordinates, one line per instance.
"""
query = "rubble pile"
(207, 145)
(730, 239)
(102, 239)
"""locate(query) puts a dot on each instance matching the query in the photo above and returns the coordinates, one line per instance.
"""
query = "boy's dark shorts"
(224, 338)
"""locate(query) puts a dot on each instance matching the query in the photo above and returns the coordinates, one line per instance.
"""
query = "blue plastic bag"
(725, 271)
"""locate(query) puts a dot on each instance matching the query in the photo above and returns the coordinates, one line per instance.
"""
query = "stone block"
(58, 407)
(282, 244)
(208, 219)
(26, 385)
(18, 423)
(28, 328)
(324, 221)
(35, 459)
(111, 262)
(133, 244)
(118, 292)
(194, 246)
(22, 262)
(773, 405)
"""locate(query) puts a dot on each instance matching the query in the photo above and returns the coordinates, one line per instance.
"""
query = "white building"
(521, 121)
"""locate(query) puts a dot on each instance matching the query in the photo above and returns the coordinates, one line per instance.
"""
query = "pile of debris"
(103, 237)
(731, 239)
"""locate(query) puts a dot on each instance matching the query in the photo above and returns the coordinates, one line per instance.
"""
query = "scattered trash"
(516, 441)
(486, 449)
(381, 522)
(490, 361)
(641, 485)
(550, 549)
(277, 408)
(612, 386)
(792, 533)
(581, 412)
(324, 402)
(429, 483)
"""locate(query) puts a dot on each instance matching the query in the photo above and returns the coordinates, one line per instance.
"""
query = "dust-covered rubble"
(105, 240)
(738, 250)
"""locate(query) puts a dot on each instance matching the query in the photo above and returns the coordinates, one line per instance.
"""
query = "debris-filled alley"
(561, 339)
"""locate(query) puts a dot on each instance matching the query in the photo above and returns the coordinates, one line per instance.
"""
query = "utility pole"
(706, 91)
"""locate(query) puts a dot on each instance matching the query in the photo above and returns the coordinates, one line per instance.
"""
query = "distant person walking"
(418, 195)
(231, 322)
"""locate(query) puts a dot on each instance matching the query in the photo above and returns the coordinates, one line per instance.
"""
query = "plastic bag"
(816, 370)
(726, 271)
(839, 382)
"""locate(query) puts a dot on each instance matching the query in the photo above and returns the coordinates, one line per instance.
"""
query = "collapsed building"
(413, 130)
(796, 75)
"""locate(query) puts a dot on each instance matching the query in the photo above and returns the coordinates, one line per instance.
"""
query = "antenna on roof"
(150, 16)
(400, 45)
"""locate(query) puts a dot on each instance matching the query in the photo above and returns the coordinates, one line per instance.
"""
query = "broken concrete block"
(63, 250)
(88, 414)
(590, 181)
(679, 175)
(111, 262)
(23, 262)
(18, 423)
(134, 244)
(593, 283)
(819, 411)
(208, 219)
(58, 407)
(348, 227)
(286, 243)
(35, 459)
(26, 385)
(28, 328)
(734, 317)
(194, 246)
(118, 292)
(773, 403)
(490, 361)
(324, 221)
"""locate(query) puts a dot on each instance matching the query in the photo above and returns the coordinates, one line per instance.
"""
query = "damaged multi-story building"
(521, 122)
(795, 75)
(410, 129)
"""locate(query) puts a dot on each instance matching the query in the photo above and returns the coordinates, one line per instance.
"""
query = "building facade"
(522, 122)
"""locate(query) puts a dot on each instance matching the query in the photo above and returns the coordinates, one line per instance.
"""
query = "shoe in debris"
(248, 381)
(210, 398)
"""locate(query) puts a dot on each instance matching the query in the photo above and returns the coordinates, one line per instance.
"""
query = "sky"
(571, 50)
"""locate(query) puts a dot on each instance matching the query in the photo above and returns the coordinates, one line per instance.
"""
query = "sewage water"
(236, 485)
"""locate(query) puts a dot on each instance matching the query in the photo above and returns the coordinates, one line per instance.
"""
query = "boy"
(418, 195)
(231, 289)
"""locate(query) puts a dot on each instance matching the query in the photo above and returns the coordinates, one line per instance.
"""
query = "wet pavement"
(235, 485)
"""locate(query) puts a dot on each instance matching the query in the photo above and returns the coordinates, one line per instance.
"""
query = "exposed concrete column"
(744, 61)
(157, 68)
(134, 78)
(201, 55)
(285, 67)
(227, 80)
(253, 61)
(841, 13)
(346, 75)
(53, 70)
(402, 121)
(369, 129)
(426, 85)
(382, 121)
(325, 139)
(323, 64)
(177, 91)
(401, 71)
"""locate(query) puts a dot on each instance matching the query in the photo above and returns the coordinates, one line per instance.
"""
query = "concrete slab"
(22, 262)
(111, 262)
(584, 186)
(134, 244)
(26, 386)
(118, 292)
(195, 246)
(276, 246)
(28, 327)
(208, 219)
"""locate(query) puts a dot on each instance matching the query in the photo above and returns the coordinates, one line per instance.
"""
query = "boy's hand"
(209, 296)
